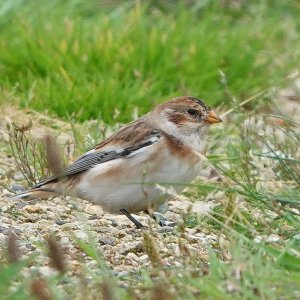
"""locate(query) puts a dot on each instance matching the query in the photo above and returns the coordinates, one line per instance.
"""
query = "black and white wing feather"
(93, 158)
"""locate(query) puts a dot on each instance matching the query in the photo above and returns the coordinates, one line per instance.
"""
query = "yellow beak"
(212, 118)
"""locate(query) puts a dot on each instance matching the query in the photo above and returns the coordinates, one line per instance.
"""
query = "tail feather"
(34, 193)
(43, 189)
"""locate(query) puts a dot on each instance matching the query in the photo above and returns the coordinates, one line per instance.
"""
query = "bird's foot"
(137, 224)
(162, 221)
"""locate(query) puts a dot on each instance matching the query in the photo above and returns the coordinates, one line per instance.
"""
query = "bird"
(124, 173)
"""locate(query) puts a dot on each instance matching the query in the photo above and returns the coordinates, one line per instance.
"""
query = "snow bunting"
(125, 172)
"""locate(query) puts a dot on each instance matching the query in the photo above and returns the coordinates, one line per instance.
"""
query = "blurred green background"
(89, 59)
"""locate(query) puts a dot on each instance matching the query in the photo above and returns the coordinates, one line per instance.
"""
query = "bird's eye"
(192, 112)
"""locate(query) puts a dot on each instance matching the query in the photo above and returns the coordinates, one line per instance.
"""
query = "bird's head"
(184, 116)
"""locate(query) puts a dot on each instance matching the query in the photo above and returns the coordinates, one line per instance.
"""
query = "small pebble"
(134, 247)
(2, 174)
(2, 229)
(114, 223)
(21, 205)
(30, 247)
(7, 231)
(46, 271)
(93, 217)
(18, 188)
(33, 209)
(123, 274)
(297, 237)
(18, 176)
(60, 222)
(107, 240)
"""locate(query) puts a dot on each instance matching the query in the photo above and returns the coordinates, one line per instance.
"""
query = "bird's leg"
(132, 219)
(160, 219)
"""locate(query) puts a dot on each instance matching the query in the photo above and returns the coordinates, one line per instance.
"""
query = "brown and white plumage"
(122, 172)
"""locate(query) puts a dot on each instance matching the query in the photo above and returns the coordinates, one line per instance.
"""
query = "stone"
(46, 271)
(135, 247)
(122, 274)
(18, 188)
(60, 222)
(107, 240)
(81, 235)
(33, 209)
(18, 176)
(2, 174)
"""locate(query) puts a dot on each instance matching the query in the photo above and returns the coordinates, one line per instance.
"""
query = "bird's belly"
(135, 185)
(132, 197)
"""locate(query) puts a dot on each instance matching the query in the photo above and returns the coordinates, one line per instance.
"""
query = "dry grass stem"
(106, 291)
(13, 250)
(56, 255)
(53, 155)
(160, 292)
(151, 250)
(40, 290)
(29, 154)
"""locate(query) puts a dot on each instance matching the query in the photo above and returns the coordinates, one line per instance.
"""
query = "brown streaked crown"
(199, 102)
(185, 101)
(185, 109)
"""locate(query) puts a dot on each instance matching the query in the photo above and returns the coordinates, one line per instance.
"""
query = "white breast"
(131, 183)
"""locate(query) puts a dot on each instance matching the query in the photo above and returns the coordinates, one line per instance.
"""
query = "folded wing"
(95, 157)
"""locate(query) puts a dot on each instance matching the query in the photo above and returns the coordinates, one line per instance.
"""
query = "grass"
(93, 60)
(88, 60)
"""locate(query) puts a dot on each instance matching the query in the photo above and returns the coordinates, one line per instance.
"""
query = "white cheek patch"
(171, 129)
